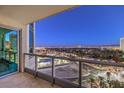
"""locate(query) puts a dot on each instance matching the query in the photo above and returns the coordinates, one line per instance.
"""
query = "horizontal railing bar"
(9, 51)
(80, 60)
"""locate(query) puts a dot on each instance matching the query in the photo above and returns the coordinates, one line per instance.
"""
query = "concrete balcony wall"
(25, 45)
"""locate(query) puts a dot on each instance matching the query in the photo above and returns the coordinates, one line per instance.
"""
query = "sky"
(7, 35)
(84, 25)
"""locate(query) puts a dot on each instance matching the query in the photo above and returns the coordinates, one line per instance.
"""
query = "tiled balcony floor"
(24, 80)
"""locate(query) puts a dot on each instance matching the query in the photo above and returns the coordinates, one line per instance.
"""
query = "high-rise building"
(122, 44)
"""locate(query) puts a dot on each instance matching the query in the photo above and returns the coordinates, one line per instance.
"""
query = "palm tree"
(108, 75)
(92, 80)
(102, 82)
(108, 78)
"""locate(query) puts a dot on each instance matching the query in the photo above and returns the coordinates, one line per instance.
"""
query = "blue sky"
(7, 35)
(85, 25)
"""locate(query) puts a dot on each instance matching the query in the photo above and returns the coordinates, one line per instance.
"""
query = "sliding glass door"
(8, 51)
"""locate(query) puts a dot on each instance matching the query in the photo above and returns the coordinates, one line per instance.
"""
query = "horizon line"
(81, 45)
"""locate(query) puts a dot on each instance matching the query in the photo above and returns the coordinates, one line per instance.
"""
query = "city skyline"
(76, 46)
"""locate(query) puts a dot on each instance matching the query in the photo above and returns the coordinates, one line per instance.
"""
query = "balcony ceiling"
(28, 13)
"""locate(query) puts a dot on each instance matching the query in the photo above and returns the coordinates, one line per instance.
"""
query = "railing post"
(9, 56)
(14, 57)
(53, 72)
(24, 60)
(35, 66)
(80, 74)
(5, 54)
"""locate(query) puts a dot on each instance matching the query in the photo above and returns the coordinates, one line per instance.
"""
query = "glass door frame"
(19, 47)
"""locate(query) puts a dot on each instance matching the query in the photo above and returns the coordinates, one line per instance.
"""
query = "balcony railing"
(8, 55)
(72, 72)
(8, 62)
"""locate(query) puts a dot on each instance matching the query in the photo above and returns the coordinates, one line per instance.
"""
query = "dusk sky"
(85, 25)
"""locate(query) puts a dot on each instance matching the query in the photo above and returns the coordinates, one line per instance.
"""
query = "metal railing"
(79, 61)
(8, 55)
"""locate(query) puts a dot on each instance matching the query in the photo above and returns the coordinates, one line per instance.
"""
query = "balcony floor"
(24, 80)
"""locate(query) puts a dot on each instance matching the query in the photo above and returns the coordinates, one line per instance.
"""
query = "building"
(122, 44)
(22, 20)
(111, 47)
(16, 18)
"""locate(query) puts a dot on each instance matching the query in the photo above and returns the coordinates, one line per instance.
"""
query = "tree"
(116, 84)
(108, 76)
(92, 80)
(102, 83)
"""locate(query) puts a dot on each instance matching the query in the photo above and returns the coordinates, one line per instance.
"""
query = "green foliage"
(91, 80)
(116, 84)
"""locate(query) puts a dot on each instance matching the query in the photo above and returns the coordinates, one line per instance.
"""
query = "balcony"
(65, 72)
(71, 72)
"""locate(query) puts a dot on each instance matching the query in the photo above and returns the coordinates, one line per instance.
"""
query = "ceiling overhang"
(25, 14)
